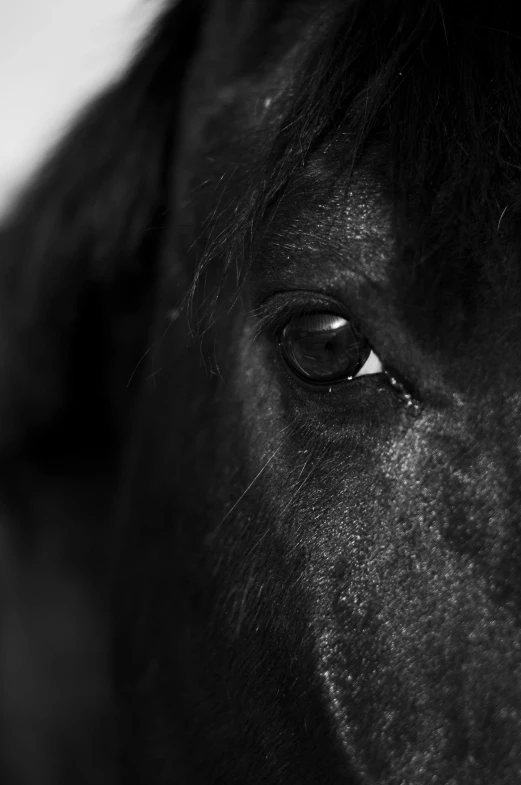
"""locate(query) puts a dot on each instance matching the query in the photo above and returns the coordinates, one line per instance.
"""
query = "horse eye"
(323, 348)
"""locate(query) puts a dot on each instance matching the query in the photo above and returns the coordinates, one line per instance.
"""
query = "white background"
(54, 56)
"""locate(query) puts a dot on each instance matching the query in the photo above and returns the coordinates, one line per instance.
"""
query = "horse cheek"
(416, 652)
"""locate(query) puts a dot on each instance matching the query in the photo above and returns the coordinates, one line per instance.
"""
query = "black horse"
(260, 333)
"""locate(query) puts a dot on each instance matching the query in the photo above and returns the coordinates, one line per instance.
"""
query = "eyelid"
(274, 312)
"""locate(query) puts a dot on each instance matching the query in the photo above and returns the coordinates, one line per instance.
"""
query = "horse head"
(317, 546)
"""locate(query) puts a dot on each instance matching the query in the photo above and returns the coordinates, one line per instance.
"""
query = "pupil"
(323, 347)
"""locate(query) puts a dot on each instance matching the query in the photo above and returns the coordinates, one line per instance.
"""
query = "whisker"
(501, 217)
(306, 479)
(251, 484)
(139, 362)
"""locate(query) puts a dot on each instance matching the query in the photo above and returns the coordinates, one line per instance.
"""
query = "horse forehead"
(329, 227)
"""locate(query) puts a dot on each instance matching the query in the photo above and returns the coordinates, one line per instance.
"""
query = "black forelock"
(437, 83)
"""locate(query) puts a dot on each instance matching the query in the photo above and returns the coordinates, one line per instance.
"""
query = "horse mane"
(78, 257)
(84, 238)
